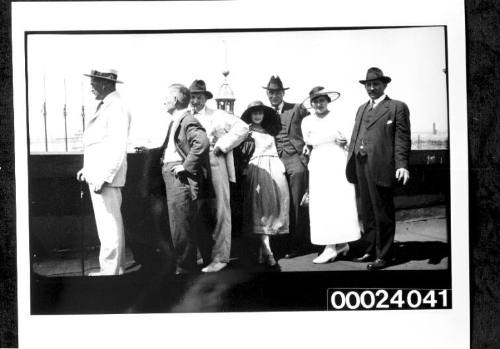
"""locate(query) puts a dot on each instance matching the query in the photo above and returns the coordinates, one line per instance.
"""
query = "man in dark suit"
(185, 171)
(290, 145)
(378, 155)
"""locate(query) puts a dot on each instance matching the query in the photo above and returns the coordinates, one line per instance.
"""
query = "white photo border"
(443, 328)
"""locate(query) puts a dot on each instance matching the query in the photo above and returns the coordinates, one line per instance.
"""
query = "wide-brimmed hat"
(275, 84)
(375, 73)
(199, 86)
(271, 121)
(109, 74)
(319, 91)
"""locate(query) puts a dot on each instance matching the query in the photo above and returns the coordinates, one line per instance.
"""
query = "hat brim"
(208, 94)
(333, 95)
(384, 79)
(270, 122)
(275, 89)
(102, 77)
(247, 114)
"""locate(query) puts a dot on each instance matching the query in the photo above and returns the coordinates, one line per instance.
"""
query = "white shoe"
(97, 273)
(343, 250)
(214, 267)
(103, 273)
(327, 256)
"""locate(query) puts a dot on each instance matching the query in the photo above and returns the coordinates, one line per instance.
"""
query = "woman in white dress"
(332, 199)
(266, 196)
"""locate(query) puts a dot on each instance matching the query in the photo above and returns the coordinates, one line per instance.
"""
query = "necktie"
(99, 106)
(372, 104)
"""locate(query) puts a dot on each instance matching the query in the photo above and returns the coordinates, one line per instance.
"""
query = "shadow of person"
(433, 251)
(209, 292)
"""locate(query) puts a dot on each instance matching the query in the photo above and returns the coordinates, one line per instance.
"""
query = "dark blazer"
(293, 114)
(192, 143)
(388, 142)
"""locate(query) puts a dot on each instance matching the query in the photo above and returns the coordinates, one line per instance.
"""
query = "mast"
(45, 114)
(83, 110)
(65, 118)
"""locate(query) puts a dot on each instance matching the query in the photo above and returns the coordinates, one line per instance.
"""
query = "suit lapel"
(359, 116)
(379, 111)
(287, 113)
(96, 113)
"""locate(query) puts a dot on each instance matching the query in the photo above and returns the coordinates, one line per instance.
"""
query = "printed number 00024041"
(388, 299)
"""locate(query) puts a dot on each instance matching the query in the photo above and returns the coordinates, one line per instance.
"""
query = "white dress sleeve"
(306, 129)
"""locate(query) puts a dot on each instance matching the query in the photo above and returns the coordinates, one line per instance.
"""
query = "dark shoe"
(377, 265)
(291, 255)
(364, 258)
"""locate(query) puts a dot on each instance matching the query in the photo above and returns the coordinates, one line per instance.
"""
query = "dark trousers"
(377, 213)
(296, 175)
(182, 213)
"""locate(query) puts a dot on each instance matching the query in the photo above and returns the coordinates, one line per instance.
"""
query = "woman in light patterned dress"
(266, 198)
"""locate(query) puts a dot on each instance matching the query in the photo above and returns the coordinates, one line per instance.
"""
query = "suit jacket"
(192, 144)
(292, 115)
(105, 143)
(388, 142)
(225, 131)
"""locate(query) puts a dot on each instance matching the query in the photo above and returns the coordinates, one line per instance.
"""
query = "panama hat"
(109, 74)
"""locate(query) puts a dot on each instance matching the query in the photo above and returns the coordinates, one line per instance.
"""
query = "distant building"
(225, 98)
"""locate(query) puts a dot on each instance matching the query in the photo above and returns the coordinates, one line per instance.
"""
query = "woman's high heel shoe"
(343, 250)
(328, 255)
(270, 261)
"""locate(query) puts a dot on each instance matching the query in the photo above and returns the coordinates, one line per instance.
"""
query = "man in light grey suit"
(225, 132)
(105, 168)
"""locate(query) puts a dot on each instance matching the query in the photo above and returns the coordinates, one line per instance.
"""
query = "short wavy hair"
(183, 95)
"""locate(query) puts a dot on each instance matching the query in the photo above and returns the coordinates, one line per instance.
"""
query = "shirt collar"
(178, 113)
(202, 111)
(109, 97)
(280, 107)
(378, 100)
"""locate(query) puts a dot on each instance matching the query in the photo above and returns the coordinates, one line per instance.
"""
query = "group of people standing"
(294, 181)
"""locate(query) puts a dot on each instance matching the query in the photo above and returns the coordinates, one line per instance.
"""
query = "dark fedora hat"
(275, 84)
(375, 73)
(199, 86)
(271, 121)
(109, 74)
(319, 91)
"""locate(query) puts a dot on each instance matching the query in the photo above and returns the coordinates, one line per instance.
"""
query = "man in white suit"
(224, 131)
(105, 168)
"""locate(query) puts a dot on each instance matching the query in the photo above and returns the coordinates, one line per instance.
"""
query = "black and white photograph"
(187, 171)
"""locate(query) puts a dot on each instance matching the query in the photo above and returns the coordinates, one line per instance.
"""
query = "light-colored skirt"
(266, 197)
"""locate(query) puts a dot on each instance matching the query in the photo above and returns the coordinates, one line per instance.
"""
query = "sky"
(147, 64)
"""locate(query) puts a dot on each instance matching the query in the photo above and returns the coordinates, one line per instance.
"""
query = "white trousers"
(109, 223)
